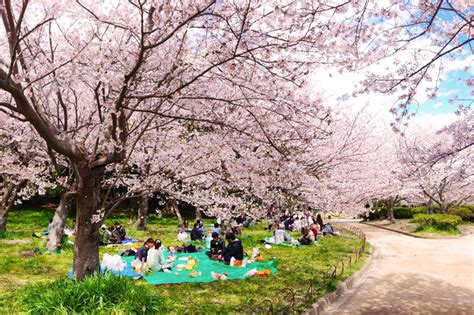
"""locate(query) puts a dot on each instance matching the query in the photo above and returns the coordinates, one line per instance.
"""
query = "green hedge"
(440, 221)
(465, 212)
(376, 213)
(402, 213)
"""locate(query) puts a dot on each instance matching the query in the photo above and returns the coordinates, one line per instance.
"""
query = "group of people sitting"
(309, 230)
(114, 234)
(218, 250)
(151, 256)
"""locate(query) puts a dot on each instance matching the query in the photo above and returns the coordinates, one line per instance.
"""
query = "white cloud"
(437, 105)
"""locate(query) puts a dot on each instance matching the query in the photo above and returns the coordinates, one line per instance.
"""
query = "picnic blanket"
(267, 240)
(204, 265)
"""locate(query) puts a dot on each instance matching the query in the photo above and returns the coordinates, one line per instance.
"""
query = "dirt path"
(410, 275)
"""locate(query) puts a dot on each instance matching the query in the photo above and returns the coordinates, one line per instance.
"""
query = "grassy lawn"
(431, 230)
(20, 266)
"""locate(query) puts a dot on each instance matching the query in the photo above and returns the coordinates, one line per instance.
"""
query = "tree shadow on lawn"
(412, 294)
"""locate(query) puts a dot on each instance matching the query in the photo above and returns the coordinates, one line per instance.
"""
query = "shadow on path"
(408, 294)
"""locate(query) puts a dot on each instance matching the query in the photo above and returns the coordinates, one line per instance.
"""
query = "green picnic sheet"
(204, 265)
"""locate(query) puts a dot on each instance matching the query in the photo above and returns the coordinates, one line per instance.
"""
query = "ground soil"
(413, 276)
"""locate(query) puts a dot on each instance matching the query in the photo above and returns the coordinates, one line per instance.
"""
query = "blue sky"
(453, 85)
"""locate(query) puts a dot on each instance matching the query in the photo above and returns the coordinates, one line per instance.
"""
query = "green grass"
(20, 268)
(427, 230)
(105, 294)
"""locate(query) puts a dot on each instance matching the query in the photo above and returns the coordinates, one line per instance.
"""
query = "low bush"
(402, 213)
(439, 221)
(419, 210)
(433, 209)
(97, 294)
(376, 213)
(465, 212)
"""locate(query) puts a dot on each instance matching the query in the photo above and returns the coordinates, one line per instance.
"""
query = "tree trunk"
(142, 212)
(178, 214)
(59, 222)
(198, 214)
(88, 220)
(390, 215)
(171, 207)
(389, 204)
(7, 202)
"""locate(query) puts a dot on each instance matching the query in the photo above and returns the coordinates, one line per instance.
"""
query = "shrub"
(402, 213)
(465, 212)
(376, 213)
(433, 209)
(97, 294)
(419, 210)
(440, 221)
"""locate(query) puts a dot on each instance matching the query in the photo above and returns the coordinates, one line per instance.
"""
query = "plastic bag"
(182, 236)
(113, 263)
(219, 276)
(237, 262)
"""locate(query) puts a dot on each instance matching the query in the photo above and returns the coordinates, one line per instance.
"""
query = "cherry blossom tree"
(440, 165)
(93, 79)
(24, 168)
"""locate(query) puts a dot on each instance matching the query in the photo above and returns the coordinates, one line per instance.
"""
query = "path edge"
(327, 300)
(406, 233)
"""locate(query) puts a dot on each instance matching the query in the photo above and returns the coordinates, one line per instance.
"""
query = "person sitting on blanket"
(234, 249)
(280, 235)
(184, 226)
(308, 237)
(196, 233)
(120, 231)
(156, 257)
(329, 230)
(201, 225)
(217, 245)
(142, 253)
(103, 235)
(114, 237)
(313, 227)
(216, 229)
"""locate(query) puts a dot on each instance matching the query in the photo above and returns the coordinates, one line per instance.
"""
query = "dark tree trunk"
(142, 212)
(88, 220)
(59, 222)
(9, 196)
(3, 218)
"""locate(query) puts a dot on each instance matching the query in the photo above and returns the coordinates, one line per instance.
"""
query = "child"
(156, 257)
(217, 245)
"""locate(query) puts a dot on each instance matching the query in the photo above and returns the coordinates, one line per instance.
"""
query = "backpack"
(128, 252)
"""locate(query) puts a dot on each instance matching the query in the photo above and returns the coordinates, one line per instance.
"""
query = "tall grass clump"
(98, 294)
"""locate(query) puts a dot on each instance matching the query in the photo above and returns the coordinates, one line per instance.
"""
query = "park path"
(413, 276)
